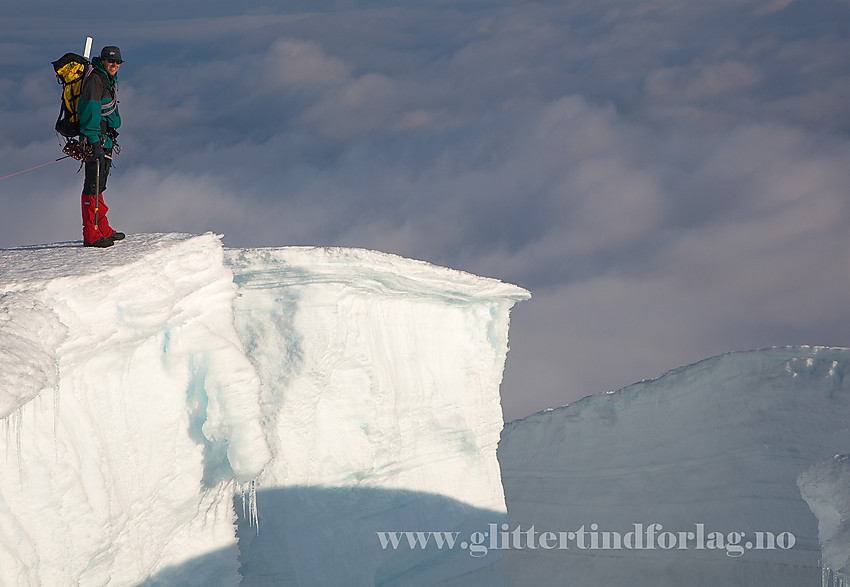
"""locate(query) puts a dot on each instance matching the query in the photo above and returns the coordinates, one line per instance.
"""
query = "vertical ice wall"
(133, 411)
(380, 396)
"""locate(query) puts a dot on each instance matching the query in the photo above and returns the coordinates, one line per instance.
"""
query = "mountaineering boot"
(100, 243)
(116, 236)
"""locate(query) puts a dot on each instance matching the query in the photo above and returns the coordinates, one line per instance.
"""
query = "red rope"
(36, 167)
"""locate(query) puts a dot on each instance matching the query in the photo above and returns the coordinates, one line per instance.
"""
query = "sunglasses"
(118, 61)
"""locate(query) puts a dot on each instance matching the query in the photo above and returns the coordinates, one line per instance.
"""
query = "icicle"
(13, 426)
(55, 418)
(13, 432)
(249, 506)
(255, 516)
(830, 579)
(19, 426)
(8, 434)
(242, 495)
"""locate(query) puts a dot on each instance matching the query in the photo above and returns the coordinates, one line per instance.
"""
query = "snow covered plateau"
(173, 412)
(177, 413)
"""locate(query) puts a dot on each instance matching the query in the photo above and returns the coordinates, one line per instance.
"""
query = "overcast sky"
(669, 178)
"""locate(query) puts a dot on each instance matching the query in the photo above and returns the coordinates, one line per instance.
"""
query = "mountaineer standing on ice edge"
(99, 119)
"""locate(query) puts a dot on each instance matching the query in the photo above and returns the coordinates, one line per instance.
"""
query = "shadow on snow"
(330, 536)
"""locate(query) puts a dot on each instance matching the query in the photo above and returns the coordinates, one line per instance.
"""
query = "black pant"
(90, 184)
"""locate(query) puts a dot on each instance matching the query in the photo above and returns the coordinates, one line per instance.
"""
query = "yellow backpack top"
(71, 70)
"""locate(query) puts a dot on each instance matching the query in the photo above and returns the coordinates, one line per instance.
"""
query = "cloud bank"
(668, 178)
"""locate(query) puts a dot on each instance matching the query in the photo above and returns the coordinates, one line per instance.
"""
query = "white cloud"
(293, 64)
(667, 177)
(771, 6)
(698, 82)
(145, 200)
(367, 103)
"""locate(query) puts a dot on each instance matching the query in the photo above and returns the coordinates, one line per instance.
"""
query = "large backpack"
(71, 71)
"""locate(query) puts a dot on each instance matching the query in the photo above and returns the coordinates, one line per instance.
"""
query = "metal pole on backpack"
(87, 55)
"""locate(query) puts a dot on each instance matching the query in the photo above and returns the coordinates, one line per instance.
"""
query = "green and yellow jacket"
(98, 106)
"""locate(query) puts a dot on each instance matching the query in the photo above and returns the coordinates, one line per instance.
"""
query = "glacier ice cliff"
(701, 466)
(387, 406)
(145, 388)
